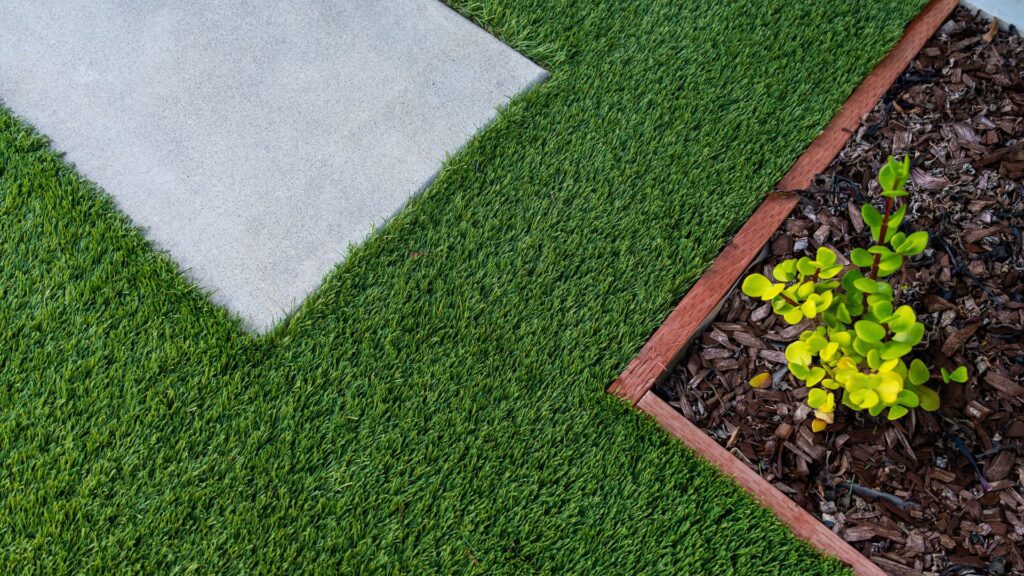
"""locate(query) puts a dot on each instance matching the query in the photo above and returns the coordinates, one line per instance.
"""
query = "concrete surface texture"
(254, 140)
(1007, 11)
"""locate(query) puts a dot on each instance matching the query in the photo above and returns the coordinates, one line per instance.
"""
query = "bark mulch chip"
(934, 493)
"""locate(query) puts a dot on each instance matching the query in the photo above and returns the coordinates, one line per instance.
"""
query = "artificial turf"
(438, 405)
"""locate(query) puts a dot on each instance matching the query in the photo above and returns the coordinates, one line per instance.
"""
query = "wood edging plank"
(803, 525)
(669, 341)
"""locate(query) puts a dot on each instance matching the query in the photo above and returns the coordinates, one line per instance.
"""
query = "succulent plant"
(861, 347)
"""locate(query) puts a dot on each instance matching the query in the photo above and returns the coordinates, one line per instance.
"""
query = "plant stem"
(789, 300)
(881, 237)
(882, 231)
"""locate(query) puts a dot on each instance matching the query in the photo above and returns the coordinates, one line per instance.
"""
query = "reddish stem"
(881, 238)
(790, 300)
(878, 242)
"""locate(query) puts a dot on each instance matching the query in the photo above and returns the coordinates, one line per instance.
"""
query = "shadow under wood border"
(701, 303)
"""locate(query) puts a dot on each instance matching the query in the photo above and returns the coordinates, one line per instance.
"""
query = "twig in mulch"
(962, 447)
(865, 492)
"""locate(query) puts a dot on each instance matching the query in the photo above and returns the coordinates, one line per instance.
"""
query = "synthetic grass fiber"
(438, 405)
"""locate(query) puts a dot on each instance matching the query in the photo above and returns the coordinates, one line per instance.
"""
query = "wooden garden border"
(702, 302)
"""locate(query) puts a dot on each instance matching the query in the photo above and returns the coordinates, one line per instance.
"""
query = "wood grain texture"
(802, 524)
(668, 342)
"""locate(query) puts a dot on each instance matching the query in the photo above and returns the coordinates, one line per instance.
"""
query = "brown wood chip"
(895, 568)
(1004, 385)
(868, 530)
(927, 181)
(775, 356)
(749, 340)
(716, 353)
(976, 235)
(957, 339)
(999, 468)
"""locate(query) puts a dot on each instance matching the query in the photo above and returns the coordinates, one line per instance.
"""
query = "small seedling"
(862, 342)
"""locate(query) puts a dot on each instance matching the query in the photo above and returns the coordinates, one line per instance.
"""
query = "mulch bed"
(935, 493)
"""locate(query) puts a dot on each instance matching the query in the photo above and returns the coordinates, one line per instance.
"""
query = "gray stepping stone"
(1007, 11)
(254, 140)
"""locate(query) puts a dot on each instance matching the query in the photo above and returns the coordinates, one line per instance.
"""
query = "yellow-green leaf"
(755, 285)
(866, 285)
(799, 370)
(773, 291)
(829, 352)
(958, 375)
(893, 176)
(785, 271)
(894, 349)
(902, 319)
(798, 353)
(872, 217)
(864, 398)
(929, 398)
(882, 310)
(822, 400)
(894, 222)
(913, 244)
(843, 314)
(806, 266)
(889, 365)
(869, 331)
(861, 257)
(896, 412)
(815, 375)
(809, 309)
(830, 272)
(849, 278)
(889, 386)
(815, 342)
(794, 316)
(825, 257)
(874, 359)
(817, 397)
(889, 264)
(823, 301)
(863, 347)
(913, 336)
(908, 398)
(918, 373)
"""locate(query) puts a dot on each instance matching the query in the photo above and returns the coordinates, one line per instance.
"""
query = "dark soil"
(907, 494)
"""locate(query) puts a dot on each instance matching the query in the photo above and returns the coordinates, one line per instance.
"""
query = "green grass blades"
(438, 406)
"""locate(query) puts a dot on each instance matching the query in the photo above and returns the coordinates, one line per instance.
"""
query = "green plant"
(863, 339)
